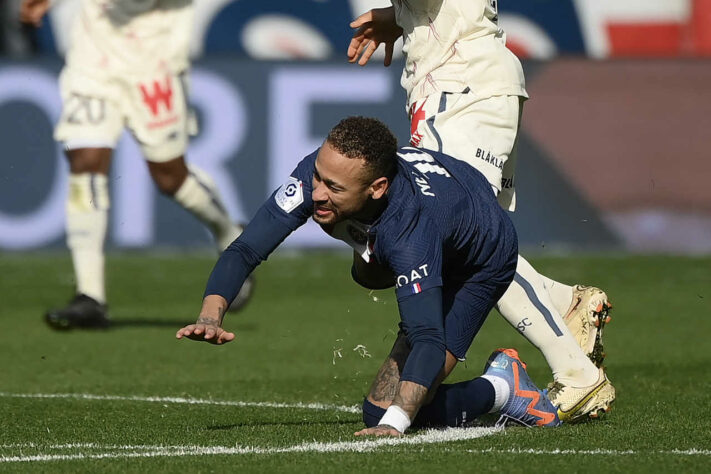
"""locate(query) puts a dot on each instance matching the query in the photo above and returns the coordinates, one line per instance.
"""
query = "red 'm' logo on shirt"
(161, 93)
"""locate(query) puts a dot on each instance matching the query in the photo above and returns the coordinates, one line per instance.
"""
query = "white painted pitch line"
(592, 452)
(106, 447)
(360, 446)
(429, 437)
(184, 401)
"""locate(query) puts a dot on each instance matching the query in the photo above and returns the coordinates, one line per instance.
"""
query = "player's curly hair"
(369, 139)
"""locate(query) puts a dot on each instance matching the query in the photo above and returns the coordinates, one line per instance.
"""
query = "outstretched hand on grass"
(208, 327)
(207, 330)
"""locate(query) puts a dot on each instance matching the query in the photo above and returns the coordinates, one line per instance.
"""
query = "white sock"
(502, 392)
(527, 307)
(198, 194)
(87, 218)
(560, 294)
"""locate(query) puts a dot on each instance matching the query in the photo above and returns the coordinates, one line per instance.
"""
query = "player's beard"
(333, 217)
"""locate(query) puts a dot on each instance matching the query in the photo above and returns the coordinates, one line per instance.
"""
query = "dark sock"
(453, 405)
(371, 413)
(456, 404)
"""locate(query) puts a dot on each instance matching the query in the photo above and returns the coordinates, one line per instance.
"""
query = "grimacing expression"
(339, 189)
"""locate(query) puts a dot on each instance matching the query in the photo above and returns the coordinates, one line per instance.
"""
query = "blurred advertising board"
(609, 153)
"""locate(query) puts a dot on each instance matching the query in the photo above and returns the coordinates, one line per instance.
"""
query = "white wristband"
(396, 417)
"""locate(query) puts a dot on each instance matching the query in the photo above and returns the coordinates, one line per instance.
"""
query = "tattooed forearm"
(213, 310)
(384, 386)
(210, 320)
(410, 397)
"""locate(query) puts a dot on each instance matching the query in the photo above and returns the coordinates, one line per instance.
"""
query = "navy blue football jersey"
(441, 227)
(442, 221)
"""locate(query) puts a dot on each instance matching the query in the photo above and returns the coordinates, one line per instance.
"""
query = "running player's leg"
(89, 128)
(195, 191)
(488, 144)
(159, 116)
(528, 308)
(87, 217)
(86, 222)
(584, 309)
(565, 323)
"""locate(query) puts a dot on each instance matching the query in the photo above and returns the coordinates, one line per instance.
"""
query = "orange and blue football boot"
(527, 405)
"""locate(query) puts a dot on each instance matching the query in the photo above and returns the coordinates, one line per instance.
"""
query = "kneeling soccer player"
(433, 222)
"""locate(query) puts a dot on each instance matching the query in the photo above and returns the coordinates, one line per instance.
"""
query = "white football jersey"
(452, 45)
(131, 36)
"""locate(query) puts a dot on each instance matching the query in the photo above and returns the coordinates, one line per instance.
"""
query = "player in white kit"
(465, 94)
(126, 66)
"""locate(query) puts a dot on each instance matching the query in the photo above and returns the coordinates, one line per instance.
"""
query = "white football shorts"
(154, 108)
(482, 132)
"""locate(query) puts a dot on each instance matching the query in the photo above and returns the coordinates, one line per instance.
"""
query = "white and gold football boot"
(586, 319)
(582, 403)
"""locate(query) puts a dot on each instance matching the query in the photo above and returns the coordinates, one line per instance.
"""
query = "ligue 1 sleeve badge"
(290, 194)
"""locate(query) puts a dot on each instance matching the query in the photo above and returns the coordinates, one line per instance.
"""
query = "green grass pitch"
(312, 336)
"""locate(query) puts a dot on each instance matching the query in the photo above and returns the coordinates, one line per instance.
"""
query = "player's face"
(339, 190)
